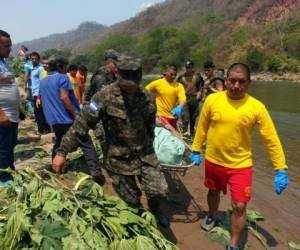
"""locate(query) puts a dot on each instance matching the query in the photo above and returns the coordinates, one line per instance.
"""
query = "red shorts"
(239, 180)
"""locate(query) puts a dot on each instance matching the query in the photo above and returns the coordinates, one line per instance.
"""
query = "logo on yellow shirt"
(244, 120)
(216, 116)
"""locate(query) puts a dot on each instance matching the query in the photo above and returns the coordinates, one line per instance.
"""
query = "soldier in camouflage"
(128, 118)
(214, 82)
(103, 76)
(192, 82)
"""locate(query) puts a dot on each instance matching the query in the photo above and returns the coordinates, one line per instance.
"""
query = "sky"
(30, 19)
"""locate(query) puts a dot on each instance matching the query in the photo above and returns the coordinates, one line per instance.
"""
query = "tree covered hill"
(263, 33)
(63, 40)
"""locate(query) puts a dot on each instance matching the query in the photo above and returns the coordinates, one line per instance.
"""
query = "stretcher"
(179, 168)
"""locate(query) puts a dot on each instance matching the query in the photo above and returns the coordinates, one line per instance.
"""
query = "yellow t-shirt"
(167, 96)
(43, 74)
(227, 127)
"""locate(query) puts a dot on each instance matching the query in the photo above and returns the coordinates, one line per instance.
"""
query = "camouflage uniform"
(192, 84)
(100, 79)
(215, 81)
(128, 121)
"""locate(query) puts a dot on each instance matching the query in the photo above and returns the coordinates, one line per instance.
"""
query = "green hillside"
(274, 46)
(264, 34)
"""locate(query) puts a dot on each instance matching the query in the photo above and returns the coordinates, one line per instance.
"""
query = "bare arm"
(4, 120)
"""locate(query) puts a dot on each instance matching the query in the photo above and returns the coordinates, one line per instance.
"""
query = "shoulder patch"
(93, 107)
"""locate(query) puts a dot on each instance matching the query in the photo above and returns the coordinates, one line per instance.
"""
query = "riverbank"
(262, 76)
(271, 77)
(186, 205)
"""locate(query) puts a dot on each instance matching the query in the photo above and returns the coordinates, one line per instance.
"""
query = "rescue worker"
(226, 123)
(169, 98)
(128, 118)
(192, 82)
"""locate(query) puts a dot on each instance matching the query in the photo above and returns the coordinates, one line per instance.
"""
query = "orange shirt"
(76, 88)
(81, 79)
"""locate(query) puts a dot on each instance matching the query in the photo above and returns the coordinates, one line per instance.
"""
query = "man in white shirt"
(9, 110)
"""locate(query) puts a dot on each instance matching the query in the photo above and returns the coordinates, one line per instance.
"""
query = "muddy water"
(283, 101)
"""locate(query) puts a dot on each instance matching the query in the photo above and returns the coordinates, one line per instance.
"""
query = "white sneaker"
(209, 223)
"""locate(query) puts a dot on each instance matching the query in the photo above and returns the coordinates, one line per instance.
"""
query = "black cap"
(209, 64)
(189, 64)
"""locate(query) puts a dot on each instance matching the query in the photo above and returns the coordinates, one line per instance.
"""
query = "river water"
(282, 99)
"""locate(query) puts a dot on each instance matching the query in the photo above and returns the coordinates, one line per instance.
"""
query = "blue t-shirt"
(35, 79)
(53, 107)
(27, 69)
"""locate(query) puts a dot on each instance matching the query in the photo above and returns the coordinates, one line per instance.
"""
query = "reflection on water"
(278, 96)
(283, 101)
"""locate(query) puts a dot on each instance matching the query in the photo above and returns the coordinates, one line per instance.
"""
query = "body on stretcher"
(172, 152)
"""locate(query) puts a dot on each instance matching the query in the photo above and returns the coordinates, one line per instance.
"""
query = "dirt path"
(186, 204)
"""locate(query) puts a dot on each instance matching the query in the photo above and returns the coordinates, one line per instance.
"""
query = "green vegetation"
(162, 46)
(17, 66)
(89, 60)
(255, 58)
(57, 52)
(294, 245)
(272, 46)
(221, 233)
(44, 211)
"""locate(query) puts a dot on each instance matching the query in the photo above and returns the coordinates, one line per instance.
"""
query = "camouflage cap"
(112, 54)
(128, 63)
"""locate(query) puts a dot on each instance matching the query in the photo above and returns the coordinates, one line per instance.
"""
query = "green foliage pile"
(41, 211)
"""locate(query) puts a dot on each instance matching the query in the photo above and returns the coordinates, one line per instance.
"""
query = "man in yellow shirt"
(45, 61)
(226, 123)
(170, 97)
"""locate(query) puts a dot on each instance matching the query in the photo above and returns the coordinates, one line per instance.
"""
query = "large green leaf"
(52, 234)
(254, 216)
(123, 245)
(220, 235)
(294, 245)
(17, 225)
(144, 243)
(127, 217)
(116, 227)
(150, 218)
